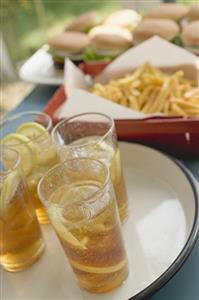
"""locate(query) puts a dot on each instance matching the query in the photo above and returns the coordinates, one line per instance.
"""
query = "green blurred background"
(27, 24)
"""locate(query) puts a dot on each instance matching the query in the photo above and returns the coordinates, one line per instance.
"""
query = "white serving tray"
(39, 69)
(159, 234)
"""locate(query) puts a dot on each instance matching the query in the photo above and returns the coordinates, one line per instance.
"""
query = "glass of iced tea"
(93, 135)
(21, 242)
(80, 200)
(28, 133)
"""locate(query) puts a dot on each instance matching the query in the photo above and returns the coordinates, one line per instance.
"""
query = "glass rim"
(16, 164)
(103, 137)
(6, 120)
(61, 164)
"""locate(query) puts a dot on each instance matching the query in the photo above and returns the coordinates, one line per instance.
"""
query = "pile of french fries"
(150, 90)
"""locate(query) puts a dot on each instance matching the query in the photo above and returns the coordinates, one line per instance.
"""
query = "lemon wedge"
(8, 190)
(24, 147)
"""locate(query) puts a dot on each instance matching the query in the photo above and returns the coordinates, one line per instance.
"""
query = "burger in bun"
(107, 42)
(127, 18)
(68, 44)
(172, 11)
(190, 36)
(166, 29)
(84, 22)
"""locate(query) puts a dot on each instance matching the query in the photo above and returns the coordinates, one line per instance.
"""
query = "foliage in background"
(188, 1)
(25, 32)
(27, 24)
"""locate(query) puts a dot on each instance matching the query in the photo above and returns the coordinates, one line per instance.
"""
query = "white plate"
(159, 234)
(39, 68)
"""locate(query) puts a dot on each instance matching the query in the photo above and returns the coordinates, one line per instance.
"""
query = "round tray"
(159, 234)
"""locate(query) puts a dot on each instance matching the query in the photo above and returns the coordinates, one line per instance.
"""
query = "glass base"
(25, 263)
(103, 283)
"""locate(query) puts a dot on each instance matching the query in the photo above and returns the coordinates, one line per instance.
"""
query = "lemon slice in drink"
(115, 167)
(24, 147)
(33, 130)
(66, 235)
(37, 132)
(111, 158)
(99, 270)
(48, 156)
(8, 189)
(104, 152)
(62, 231)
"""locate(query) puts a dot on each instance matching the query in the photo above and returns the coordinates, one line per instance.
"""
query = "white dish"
(159, 234)
(39, 68)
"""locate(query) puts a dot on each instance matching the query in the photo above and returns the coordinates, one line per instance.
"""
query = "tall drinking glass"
(93, 135)
(28, 133)
(21, 242)
(80, 200)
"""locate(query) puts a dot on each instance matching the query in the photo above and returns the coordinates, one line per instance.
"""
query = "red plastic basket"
(176, 135)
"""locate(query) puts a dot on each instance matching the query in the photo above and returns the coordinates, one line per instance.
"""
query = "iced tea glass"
(80, 201)
(21, 242)
(93, 135)
(28, 133)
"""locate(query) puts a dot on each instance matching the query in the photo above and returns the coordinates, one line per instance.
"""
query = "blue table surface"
(185, 284)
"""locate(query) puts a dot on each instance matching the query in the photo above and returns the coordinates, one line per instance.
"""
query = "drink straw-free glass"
(93, 135)
(21, 242)
(80, 201)
(28, 133)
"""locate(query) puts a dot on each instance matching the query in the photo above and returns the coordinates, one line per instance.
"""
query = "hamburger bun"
(190, 36)
(193, 13)
(166, 29)
(172, 11)
(68, 44)
(110, 38)
(72, 42)
(84, 22)
(126, 18)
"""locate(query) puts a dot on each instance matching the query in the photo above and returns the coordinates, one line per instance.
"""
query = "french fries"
(150, 90)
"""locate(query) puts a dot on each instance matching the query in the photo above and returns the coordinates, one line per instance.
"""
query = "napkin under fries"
(151, 90)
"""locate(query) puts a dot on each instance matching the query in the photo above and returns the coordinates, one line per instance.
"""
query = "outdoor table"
(185, 284)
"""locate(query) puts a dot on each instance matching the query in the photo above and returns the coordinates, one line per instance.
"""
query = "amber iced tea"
(96, 148)
(28, 133)
(85, 217)
(21, 242)
(93, 135)
(33, 180)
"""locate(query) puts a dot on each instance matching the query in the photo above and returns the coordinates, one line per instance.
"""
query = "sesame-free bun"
(190, 34)
(193, 13)
(84, 22)
(127, 18)
(110, 37)
(164, 28)
(172, 11)
(73, 42)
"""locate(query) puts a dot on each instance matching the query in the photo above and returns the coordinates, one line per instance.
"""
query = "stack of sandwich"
(89, 39)
(174, 22)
